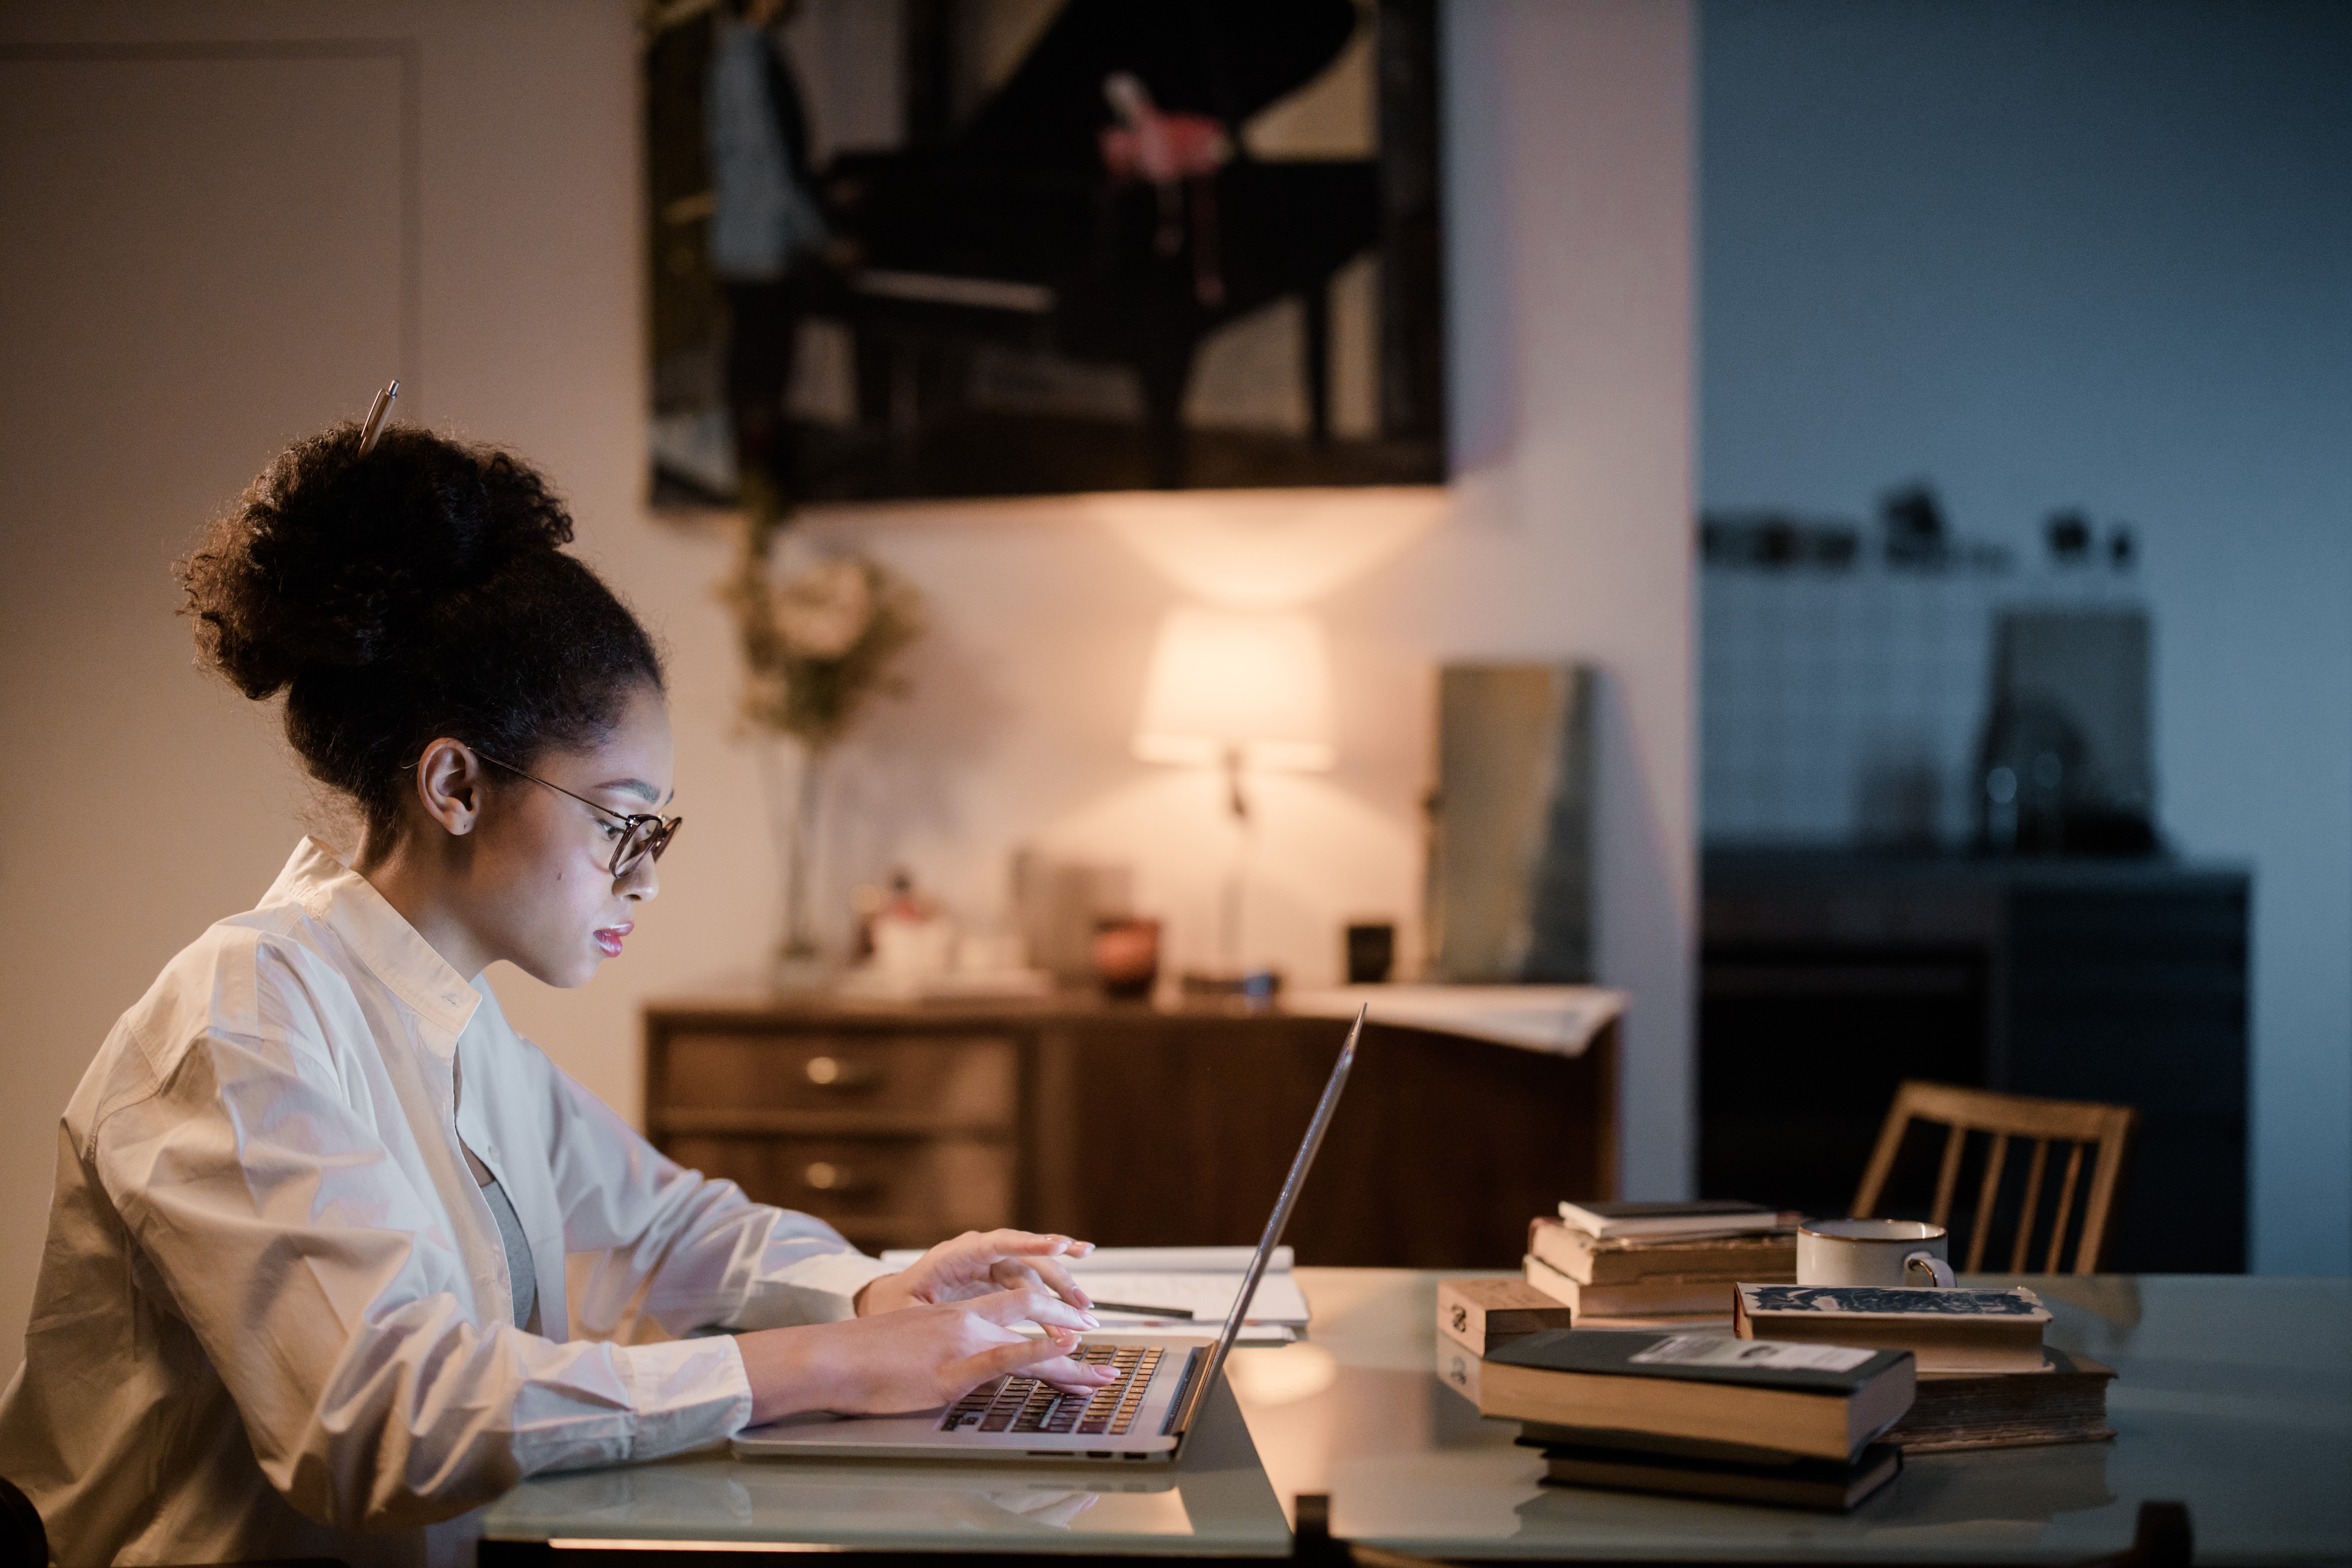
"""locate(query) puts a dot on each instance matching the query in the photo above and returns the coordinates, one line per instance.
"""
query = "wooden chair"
(2108, 1129)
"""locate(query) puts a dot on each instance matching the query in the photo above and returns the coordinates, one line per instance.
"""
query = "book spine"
(1564, 1247)
(1551, 1281)
(1807, 1424)
(1590, 1262)
(1647, 1297)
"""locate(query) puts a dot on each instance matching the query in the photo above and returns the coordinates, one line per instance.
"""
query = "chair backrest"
(2107, 1130)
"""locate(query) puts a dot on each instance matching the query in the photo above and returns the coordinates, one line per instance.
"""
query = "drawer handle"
(824, 1176)
(832, 1072)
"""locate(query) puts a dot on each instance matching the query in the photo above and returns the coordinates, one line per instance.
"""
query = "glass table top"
(2233, 1394)
(1213, 1502)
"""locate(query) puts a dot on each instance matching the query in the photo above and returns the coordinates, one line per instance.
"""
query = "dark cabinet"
(1827, 978)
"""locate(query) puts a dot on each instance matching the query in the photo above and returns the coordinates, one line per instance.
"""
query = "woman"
(303, 1292)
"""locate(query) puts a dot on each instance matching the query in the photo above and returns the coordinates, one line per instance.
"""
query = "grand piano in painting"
(1101, 208)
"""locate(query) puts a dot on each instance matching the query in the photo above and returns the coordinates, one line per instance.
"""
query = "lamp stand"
(1230, 978)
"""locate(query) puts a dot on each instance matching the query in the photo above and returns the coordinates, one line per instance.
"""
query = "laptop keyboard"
(1026, 1404)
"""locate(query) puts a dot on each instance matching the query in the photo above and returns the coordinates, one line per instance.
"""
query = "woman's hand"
(916, 1359)
(979, 1263)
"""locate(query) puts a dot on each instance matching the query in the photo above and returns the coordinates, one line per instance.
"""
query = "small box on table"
(1487, 1314)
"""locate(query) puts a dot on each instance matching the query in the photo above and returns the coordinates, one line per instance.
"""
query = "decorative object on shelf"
(1371, 952)
(1057, 903)
(912, 935)
(2065, 753)
(1510, 857)
(818, 643)
(1127, 955)
(1244, 692)
(912, 950)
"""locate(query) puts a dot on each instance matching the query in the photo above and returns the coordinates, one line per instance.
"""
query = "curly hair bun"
(421, 590)
(331, 560)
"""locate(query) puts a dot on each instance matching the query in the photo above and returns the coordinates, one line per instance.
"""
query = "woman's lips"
(608, 938)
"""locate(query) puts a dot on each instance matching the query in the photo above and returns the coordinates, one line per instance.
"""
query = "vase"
(798, 808)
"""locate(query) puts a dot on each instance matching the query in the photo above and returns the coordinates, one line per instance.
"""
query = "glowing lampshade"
(1237, 687)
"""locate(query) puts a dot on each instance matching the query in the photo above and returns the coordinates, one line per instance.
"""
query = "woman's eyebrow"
(637, 787)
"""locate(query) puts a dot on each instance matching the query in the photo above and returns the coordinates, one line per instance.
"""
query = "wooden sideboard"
(1128, 1125)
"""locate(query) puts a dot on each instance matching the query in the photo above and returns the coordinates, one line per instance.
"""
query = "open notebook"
(1201, 1280)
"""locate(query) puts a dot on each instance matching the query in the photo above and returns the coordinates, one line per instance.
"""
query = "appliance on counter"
(2065, 766)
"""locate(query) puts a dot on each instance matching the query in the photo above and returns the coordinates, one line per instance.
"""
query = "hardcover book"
(1767, 1256)
(1635, 1299)
(1715, 1216)
(1819, 1401)
(1803, 1483)
(1947, 1331)
(2066, 1403)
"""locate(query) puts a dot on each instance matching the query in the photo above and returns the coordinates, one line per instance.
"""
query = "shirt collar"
(380, 936)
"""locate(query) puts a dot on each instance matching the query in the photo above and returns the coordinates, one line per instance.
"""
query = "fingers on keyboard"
(1026, 1405)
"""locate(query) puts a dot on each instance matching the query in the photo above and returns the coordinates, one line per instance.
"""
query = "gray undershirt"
(519, 1263)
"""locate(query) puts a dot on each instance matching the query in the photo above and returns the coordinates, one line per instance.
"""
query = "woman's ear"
(449, 785)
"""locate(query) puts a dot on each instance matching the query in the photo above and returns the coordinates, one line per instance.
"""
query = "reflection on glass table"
(2233, 1394)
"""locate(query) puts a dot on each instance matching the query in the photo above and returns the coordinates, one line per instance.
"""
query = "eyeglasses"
(640, 836)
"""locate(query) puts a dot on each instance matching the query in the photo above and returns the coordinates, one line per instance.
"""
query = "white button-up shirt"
(274, 1316)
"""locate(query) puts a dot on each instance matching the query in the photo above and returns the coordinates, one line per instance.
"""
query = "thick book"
(1487, 1314)
(1947, 1331)
(1590, 1259)
(1547, 1434)
(2066, 1403)
(1713, 1216)
(1804, 1483)
(1815, 1401)
(1635, 1298)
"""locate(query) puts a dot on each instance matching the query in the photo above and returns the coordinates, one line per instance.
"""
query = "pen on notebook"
(1143, 1311)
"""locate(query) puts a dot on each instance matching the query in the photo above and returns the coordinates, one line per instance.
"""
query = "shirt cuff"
(820, 1289)
(688, 1393)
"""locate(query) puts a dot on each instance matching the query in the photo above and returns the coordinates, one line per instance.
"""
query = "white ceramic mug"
(1883, 1252)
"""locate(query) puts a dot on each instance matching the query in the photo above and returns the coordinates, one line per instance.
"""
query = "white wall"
(2095, 255)
(1567, 535)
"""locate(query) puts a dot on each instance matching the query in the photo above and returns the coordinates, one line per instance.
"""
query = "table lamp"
(1244, 691)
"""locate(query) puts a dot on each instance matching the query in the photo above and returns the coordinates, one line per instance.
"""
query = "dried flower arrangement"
(817, 644)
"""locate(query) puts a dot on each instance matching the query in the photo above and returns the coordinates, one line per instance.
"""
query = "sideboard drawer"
(1128, 1125)
(739, 1082)
(879, 1192)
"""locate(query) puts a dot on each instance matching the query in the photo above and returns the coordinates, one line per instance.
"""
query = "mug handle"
(1938, 1272)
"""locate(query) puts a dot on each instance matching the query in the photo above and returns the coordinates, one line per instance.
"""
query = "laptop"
(1145, 1415)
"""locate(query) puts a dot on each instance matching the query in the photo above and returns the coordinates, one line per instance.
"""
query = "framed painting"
(908, 248)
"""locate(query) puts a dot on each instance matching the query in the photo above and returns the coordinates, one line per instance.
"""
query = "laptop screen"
(1273, 1226)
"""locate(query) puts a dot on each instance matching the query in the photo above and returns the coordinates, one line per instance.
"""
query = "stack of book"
(1986, 1379)
(1626, 1264)
(1703, 1414)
